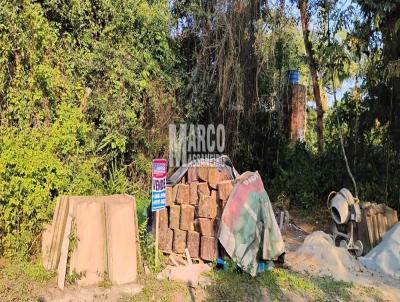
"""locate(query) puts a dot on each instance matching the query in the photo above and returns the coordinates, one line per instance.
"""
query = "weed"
(105, 283)
(160, 290)
(73, 277)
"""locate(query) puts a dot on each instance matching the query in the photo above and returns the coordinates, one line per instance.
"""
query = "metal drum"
(293, 76)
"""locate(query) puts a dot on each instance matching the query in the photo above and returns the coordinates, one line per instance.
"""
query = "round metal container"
(340, 206)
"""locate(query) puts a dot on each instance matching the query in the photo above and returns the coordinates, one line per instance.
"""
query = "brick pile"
(194, 208)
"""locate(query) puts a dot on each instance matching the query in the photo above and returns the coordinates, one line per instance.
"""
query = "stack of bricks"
(194, 208)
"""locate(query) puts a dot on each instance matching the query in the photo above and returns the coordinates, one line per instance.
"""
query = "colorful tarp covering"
(248, 230)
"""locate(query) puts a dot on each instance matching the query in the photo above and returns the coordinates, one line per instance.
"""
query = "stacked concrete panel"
(194, 208)
(376, 220)
(95, 237)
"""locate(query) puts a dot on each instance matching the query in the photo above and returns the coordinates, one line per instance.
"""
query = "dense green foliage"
(88, 88)
(351, 41)
(80, 85)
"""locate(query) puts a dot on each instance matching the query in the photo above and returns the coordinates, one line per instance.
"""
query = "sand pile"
(385, 257)
(319, 256)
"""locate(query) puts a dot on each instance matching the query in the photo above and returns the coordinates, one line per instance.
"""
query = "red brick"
(182, 196)
(193, 243)
(202, 188)
(183, 180)
(192, 174)
(165, 240)
(224, 189)
(162, 219)
(207, 207)
(220, 207)
(174, 193)
(194, 197)
(208, 248)
(207, 226)
(179, 244)
(217, 221)
(213, 195)
(215, 176)
(202, 173)
(174, 216)
(223, 204)
(169, 193)
(187, 217)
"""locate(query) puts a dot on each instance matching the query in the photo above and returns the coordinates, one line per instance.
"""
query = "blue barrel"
(293, 76)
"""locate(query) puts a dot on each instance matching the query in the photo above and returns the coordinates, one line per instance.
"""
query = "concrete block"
(62, 264)
(89, 257)
(47, 236)
(121, 240)
(52, 250)
(104, 229)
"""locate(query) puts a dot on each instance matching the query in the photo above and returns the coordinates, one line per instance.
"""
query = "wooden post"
(156, 249)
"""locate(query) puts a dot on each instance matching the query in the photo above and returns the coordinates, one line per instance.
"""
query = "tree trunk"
(248, 58)
(303, 7)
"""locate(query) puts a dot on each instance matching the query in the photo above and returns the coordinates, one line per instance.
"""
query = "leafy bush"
(36, 166)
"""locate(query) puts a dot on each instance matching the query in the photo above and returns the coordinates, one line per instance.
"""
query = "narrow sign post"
(158, 193)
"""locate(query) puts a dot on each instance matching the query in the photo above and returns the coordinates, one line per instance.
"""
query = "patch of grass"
(275, 284)
(233, 286)
(334, 289)
(269, 280)
(160, 290)
(105, 283)
(31, 270)
(280, 281)
(23, 281)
